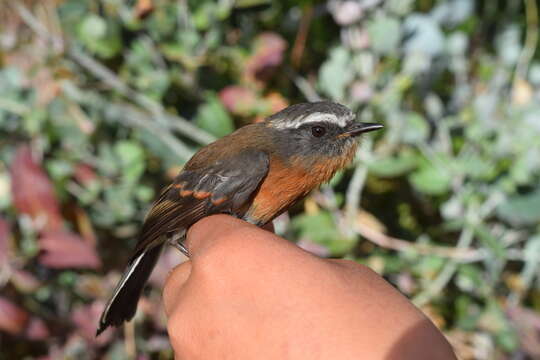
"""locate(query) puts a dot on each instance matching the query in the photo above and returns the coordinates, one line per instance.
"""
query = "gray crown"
(297, 115)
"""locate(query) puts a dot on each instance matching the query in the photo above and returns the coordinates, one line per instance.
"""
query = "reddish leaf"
(238, 100)
(94, 286)
(46, 86)
(143, 8)
(78, 216)
(62, 249)
(347, 12)
(24, 281)
(33, 193)
(4, 241)
(276, 103)
(86, 318)
(84, 174)
(361, 91)
(527, 324)
(37, 330)
(269, 50)
(13, 319)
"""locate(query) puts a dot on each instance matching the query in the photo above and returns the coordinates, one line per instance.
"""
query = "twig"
(465, 239)
(101, 72)
(446, 273)
(304, 86)
(462, 255)
(301, 37)
(129, 335)
(131, 115)
(531, 40)
(173, 122)
(14, 107)
(354, 191)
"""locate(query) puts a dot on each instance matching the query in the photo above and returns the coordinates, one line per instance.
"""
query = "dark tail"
(123, 303)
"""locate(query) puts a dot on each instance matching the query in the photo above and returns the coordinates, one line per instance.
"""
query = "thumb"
(204, 233)
(173, 286)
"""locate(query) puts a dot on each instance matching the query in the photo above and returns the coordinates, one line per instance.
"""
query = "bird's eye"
(318, 131)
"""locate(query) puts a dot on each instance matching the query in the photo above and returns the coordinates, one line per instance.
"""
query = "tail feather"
(123, 303)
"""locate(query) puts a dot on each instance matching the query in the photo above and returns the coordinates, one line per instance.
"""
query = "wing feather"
(225, 186)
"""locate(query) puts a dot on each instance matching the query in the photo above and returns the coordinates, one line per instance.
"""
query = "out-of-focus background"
(101, 102)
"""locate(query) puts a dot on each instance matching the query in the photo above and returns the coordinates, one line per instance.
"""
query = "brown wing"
(223, 187)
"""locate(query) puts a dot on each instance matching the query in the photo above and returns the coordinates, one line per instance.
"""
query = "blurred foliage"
(101, 102)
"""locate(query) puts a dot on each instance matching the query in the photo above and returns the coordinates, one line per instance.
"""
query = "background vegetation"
(101, 102)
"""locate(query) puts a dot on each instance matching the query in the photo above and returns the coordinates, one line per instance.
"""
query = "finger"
(210, 229)
(173, 285)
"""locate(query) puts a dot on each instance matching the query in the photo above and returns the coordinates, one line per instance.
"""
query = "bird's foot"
(177, 241)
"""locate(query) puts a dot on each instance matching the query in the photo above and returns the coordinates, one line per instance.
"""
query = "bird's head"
(317, 131)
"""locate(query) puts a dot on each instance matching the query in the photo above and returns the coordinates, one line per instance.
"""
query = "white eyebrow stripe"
(315, 117)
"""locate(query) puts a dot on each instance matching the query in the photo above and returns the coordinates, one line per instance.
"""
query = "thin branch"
(356, 185)
(463, 255)
(449, 269)
(303, 85)
(301, 36)
(129, 114)
(129, 336)
(14, 107)
(172, 122)
(531, 40)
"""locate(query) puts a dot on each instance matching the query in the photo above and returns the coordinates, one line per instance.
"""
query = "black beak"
(358, 128)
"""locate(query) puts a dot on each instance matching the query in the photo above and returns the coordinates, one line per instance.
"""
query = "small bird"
(255, 174)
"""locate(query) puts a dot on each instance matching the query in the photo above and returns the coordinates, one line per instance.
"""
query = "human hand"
(249, 294)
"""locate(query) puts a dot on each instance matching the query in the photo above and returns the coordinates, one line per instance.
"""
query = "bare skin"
(249, 294)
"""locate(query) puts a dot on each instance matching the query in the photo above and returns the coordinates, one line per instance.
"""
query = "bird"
(255, 173)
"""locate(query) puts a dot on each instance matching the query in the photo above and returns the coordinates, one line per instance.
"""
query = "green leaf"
(531, 266)
(495, 321)
(469, 278)
(521, 209)
(425, 35)
(384, 34)
(157, 148)
(214, 118)
(394, 166)
(431, 180)
(93, 27)
(144, 193)
(489, 241)
(120, 202)
(59, 169)
(246, 4)
(338, 176)
(100, 36)
(476, 166)
(416, 129)
(428, 266)
(321, 229)
(467, 312)
(333, 79)
(399, 7)
(131, 160)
